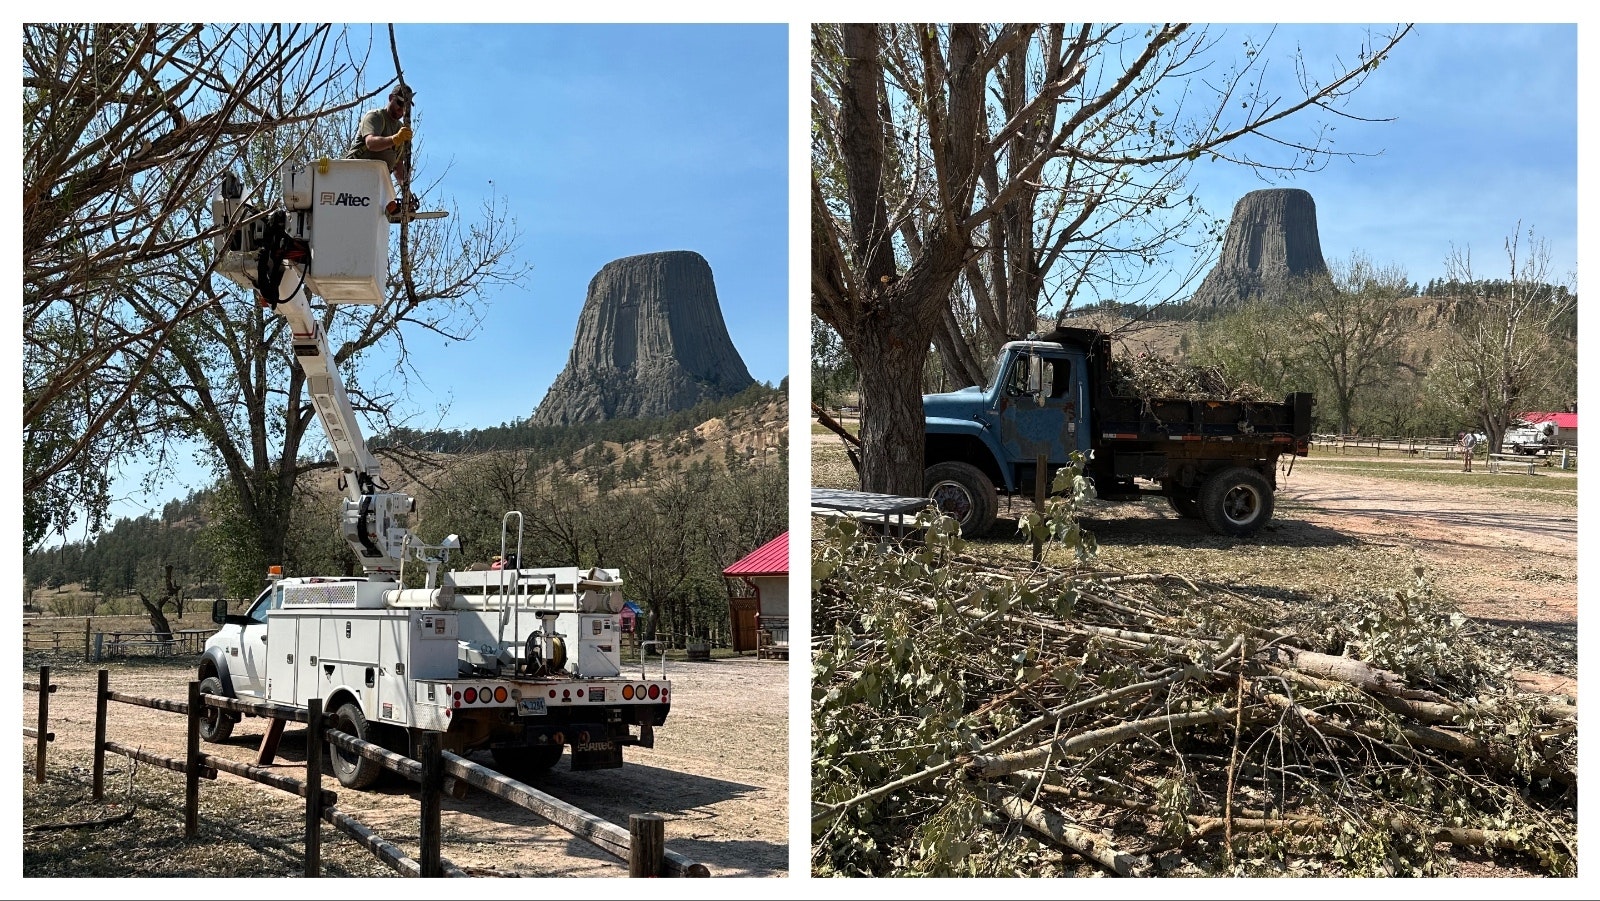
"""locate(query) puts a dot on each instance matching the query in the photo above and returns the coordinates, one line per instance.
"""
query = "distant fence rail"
(1565, 456)
(101, 645)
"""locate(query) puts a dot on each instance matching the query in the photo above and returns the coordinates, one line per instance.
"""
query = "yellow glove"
(402, 136)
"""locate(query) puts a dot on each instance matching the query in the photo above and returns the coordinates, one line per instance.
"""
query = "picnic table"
(864, 506)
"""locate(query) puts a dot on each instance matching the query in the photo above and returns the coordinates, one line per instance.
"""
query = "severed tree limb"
(990, 766)
(1437, 739)
(1427, 711)
(1089, 845)
(1350, 671)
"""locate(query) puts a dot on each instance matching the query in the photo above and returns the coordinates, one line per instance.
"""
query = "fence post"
(102, 687)
(648, 834)
(87, 648)
(430, 795)
(44, 724)
(191, 766)
(314, 747)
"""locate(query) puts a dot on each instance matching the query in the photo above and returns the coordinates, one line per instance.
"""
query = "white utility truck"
(523, 662)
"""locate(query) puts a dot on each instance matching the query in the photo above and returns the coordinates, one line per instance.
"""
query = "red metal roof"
(770, 559)
(1562, 420)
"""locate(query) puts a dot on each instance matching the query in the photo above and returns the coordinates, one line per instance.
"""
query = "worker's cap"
(402, 92)
(496, 557)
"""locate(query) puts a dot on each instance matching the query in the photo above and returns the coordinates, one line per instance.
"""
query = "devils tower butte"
(1271, 240)
(650, 341)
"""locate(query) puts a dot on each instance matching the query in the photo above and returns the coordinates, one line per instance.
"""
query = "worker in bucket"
(383, 135)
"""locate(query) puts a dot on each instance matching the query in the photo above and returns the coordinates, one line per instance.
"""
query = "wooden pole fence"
(603, 834)
(42, 735)
(314, 746)
(438, 773)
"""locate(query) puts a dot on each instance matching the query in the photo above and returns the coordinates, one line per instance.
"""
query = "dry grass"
(244, 831)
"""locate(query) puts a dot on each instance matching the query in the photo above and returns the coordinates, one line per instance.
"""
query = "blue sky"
(607, 141)
(1484, 135)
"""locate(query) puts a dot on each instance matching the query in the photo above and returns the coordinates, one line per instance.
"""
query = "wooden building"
(761, 622)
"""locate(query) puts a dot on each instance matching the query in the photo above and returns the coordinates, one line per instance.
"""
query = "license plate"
(531, 707)
(597, 694)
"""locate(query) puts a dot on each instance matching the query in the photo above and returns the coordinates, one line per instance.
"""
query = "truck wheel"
(1186, 505)
(353, 770)
(524, 763)
(1236, 501)
(963, 492)
(215, 724)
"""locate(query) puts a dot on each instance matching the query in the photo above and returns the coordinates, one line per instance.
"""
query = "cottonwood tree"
(1503, 351)
(122, 127)
(1349, 325)
(1013, 157)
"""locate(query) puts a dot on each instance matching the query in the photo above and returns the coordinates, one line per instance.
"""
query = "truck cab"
(985, 440)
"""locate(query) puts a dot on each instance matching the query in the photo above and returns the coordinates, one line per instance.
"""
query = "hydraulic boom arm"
(331, 238)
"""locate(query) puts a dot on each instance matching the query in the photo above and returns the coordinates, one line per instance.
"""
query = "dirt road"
(1518, 556)
(719, 773)
(1507, 557)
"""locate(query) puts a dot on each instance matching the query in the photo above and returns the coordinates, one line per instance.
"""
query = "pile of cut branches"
(1003, 719)
(1150, 376)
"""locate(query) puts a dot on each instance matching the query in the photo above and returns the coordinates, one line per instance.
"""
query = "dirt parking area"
(718, 775)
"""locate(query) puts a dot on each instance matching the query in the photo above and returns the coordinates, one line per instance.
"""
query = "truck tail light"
(655, 692)
(627, 692)
(500, 695)
(471, 696)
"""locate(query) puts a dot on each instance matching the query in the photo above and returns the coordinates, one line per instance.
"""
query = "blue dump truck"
(1214, 460)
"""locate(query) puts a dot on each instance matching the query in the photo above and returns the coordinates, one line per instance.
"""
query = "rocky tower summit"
(1271, 239)
(651, 341)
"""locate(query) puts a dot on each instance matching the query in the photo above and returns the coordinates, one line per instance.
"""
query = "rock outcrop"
(651, 341)
(1271, 239)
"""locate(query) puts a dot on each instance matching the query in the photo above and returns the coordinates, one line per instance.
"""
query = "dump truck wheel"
(353, 770)
(964, 493)
(1236, 502)
(215, 724)
(1186, 505)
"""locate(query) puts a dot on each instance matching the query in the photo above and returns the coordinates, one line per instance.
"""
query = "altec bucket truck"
(523, 662)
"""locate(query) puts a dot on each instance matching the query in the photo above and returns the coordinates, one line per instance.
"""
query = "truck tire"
(524, 763)
(215, 724)
(963, 492)
(353, 770)
(1186, 505)
(1236, 501)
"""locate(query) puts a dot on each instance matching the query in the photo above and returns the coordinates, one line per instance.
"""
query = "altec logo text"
(329, 198)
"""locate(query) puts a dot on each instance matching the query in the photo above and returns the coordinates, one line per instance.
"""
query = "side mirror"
(219, 611)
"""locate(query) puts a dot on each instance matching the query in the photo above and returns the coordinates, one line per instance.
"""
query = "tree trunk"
(891, 408)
